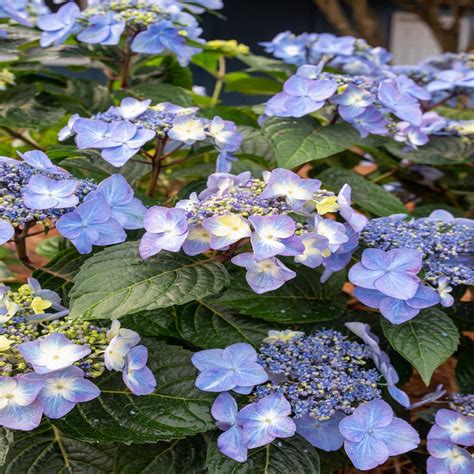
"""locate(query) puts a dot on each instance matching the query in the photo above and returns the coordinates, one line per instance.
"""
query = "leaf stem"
(219, 82)
(23, 138)
(156, 159)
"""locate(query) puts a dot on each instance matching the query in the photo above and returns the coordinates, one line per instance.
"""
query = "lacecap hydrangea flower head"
(47, 363)
(146, 26)
(277, 216)
(413, 263)
(323, 387)
(35, 191)
(122, 131)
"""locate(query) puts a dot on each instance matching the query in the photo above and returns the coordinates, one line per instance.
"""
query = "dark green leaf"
(367, 195)
(426, 341)
(175, 410)
(281, 457)
(298, 141)
(246, 84)
(157, 323)
(47, 450)
(206, 324)
(303, 299)
(117, 282)
(186, 456)
(439, 151)
(159, 92)
(255, 143)
(465, 367)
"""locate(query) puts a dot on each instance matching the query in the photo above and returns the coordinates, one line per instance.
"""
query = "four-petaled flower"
(226, 230)
(42, 192)
(54, 352)
(136, 375)
(233, 368)
(372, 434)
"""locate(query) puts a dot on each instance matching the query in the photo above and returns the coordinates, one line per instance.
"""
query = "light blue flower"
(331, 45)
(398, 311)
(6, 231)
(372, 434)
(353, 101)
(270, 232)
(187, 129)
(19, 407)
(231, 443)
(166, 229)
(450, 79)
(444, 290)
(53, 352)
(354, 219)
(454, 427)
(264, 421)
(381, 361)
(316, 247)
(136, 375)
(58, 26)
(224, 183)
(131, 108)
(418, 135)
(333, 231)
(226, 229)
(68, 130)
(263, 275)
(323, 435)
(125, 140)
(92, 133)
(198, 240)
(121, 342)
(102, 29)
(402, 105)
(15, 10)
(40, 161)
(233, 368)
(393, 273)
(371, 121)
(127, 210)
(285, 183)
(42, 192)
(91, 223)
(448, 458)
(288, 47)
(63, 389)
(163, 36)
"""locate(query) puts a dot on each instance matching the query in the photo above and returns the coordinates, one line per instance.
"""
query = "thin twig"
(23, 138)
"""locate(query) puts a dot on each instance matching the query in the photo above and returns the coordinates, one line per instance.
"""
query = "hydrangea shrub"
(189, 286)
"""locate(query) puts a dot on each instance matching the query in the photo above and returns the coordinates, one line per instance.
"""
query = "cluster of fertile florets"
(149, 26)
(447, 244)
(319, 374)
(120, 132)
(351, 55)
(463, 403)
(280, 216)
(315, 386)
(46, 361)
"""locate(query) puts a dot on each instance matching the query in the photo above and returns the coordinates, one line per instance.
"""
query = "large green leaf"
(117, 282)
(159, 92)
(368, 195)
(159, 322)
(301, 300)
(251, 85)
(280, 457)
(425, 341)
(206, 324)
(47, 450)
(175, 410)
(255, 143)
(184, 456)
(298, 141)
(439, 151)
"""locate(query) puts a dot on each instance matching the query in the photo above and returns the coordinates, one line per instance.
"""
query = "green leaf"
(117, 282)
(367, 195)
(206, 324)
(264, 64)
(246, 84)
(301, 300)
(280, 457)
(159, 92)
(47, 450)
(439, 151)
(465, 366)
(456, 114)
(157, 323)
(175, 410)
(256, 144)
(298, 141)
(50, 247)
(426, 341)
(184, 456)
